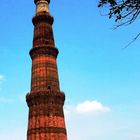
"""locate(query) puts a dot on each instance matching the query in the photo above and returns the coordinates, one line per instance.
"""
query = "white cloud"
(93, 122)
(66, 112)
(136, 136)
(87, 107)
(22, 97)
(5, 100)
(2, 77)
(13, 135)
(91, 106)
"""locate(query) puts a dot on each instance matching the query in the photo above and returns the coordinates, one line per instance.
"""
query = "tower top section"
(42, 6)
(35, 1)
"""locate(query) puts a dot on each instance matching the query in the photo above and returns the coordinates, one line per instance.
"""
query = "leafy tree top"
(124, 11)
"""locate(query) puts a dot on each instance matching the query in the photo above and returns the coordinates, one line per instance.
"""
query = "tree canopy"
(125, 12)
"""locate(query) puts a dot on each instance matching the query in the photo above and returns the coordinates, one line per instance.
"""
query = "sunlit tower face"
(45, 100)
(42, 6)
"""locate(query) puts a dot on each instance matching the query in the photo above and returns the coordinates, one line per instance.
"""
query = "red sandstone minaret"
(45, 100)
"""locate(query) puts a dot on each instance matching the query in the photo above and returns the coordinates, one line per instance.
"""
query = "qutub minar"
(45, 100)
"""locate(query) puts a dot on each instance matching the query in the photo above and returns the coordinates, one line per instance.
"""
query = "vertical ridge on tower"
(45, 100)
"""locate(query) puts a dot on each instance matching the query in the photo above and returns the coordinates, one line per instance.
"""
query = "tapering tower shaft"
(45, 101)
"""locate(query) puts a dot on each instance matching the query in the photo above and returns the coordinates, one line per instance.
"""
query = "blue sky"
(99, 78)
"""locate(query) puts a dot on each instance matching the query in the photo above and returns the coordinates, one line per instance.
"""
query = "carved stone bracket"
(42, 17)
(43, 51)
(45, 97)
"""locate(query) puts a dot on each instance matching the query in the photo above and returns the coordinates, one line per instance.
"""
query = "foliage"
(124, 11)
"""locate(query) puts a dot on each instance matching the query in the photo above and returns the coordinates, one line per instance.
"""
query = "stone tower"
(45, 100)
